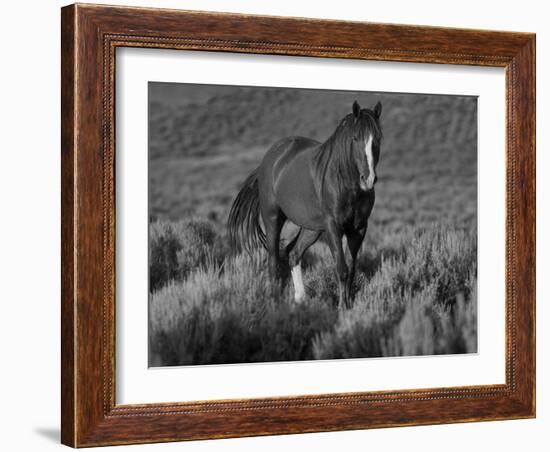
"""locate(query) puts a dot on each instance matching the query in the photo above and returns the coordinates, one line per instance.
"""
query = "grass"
(416, 299)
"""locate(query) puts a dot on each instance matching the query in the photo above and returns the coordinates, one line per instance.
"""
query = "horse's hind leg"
(304, 240)
(274, 221)
(334, 234)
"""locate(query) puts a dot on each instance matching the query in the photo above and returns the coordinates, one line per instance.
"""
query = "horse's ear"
(356, 109)
(377, 110)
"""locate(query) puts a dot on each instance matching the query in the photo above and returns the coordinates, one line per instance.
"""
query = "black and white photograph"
(292, 224)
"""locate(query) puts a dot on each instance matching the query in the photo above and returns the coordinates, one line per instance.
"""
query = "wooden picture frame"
(90, 35)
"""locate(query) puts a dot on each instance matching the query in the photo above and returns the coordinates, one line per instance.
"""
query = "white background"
(137, 384)
(30, 225)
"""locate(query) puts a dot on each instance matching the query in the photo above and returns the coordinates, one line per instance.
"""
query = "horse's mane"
(335, 153)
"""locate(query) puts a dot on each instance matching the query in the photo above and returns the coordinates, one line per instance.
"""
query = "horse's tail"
(245, 231)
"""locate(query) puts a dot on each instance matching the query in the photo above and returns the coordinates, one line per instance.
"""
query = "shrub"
(421, 301)
(233, 316)
(177, 248)
(418, 298)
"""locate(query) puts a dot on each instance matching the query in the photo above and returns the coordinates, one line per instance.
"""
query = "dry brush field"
(415, 289)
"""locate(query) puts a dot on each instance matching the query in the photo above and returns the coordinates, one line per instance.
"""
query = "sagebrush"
(209, 307)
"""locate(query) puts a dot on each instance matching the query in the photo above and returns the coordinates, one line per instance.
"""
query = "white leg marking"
(370, 162)
(299, 291)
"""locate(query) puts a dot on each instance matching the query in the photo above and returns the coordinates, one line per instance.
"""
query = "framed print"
(281, 225)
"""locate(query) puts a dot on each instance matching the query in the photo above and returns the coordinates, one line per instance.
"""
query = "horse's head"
(366, 135)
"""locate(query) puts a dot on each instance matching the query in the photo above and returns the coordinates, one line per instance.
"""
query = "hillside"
(204, 140)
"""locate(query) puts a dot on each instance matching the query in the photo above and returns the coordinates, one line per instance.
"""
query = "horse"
(323, 188)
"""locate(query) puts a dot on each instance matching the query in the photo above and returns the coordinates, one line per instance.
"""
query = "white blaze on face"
(299, 291)
(370, 162)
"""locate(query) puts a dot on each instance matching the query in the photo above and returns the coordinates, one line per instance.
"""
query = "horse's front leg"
(355, 239)
(335, 234)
